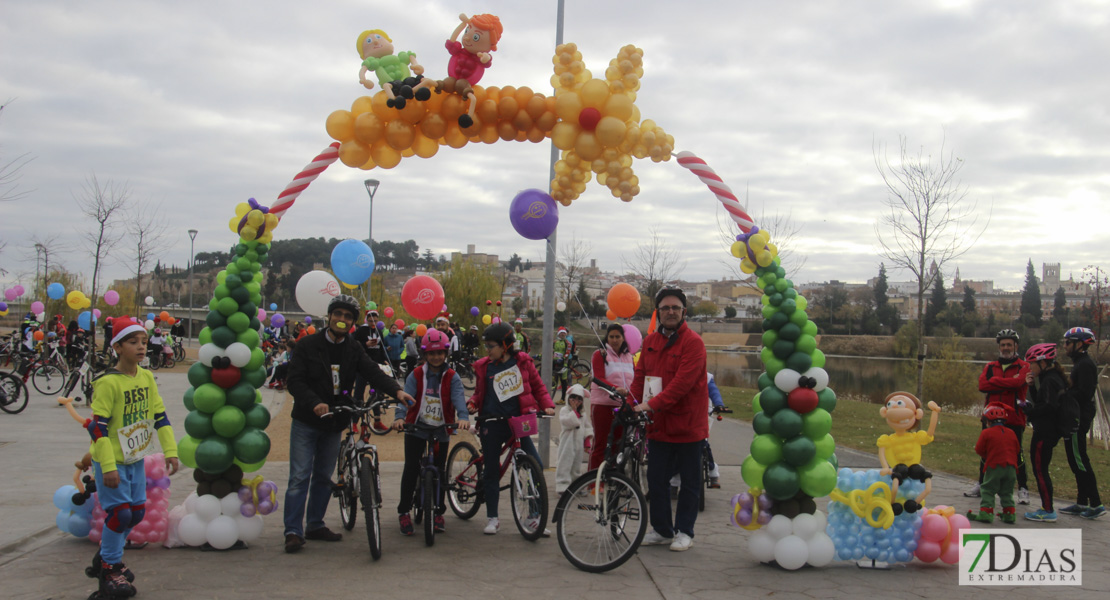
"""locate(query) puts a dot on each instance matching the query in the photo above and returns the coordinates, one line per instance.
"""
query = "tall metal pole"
(192, 259)
(371, 188)
(549, 284)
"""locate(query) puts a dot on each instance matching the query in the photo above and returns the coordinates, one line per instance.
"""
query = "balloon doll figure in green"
(391, 70)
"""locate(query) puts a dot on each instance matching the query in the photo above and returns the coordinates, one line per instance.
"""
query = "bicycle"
(46, 378)
(81, 375)
(178, 350)
(429, 483)
(11, 392)
(357, 472)
(714, 412)
(463, 364)
(602, 517)
(528, 488)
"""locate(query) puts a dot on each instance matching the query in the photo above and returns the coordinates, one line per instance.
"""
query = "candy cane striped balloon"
(306, 176)
(710, 178)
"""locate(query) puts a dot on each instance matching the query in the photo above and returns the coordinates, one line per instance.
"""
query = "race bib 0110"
(136, 441)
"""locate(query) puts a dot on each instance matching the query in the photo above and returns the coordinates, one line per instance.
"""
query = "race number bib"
(652, 386)
(431, 412)
(335, 380)
(508, 384)
(136, 441)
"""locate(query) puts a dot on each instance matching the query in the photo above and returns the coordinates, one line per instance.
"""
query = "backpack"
(1067, 414)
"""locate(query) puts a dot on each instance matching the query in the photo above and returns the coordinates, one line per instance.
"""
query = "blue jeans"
(665, 458)
(312, 456)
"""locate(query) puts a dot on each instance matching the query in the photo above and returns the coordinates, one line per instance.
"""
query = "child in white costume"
(576, 429)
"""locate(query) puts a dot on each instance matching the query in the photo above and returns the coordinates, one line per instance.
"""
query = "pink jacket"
(535, 392)
(618, 373)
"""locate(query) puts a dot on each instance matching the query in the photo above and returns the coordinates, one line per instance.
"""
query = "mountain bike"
(47, 378)
(13, 394)
(428, 485)
(82, 375)
(602, 516)
(178, 349)
(528, 488)
(357, 471)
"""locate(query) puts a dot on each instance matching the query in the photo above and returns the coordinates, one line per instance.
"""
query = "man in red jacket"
(670, 382)
(1003, 382)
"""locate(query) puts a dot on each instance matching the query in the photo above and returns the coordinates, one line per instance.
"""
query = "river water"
(871, 378)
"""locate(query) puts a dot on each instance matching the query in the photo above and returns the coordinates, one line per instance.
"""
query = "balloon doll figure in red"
(375, 47)
(470, 58)
(903, 414)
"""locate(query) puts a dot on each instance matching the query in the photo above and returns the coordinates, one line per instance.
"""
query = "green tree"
(938, 301)
(969, 299)
(705, 308)
(730, 312)
(518, 306)
(516, 263)
(1031, 298)
(467, 283)
(949, 378)
(1060, 305)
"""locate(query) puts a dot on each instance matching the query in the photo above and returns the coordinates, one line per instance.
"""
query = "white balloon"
(791, 552)
(192, 530)
(762, 546)
(239, 353)
(40, 317)
(222, 532)
(229, 505)
(149, 324)
(207, 507)
(250, 528)
(805, 526)
(779, 527)
(820, 375)
(207, 352)
(315, 290)
(190, 503)
(787, 380)
(149, 301)
(822, 520)
(560, 306)
(821, 550)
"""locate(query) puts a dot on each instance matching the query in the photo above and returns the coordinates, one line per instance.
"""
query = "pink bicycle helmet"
(435, 340)
(1041, 352)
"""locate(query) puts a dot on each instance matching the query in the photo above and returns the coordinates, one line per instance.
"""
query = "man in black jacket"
(1081, 386)
(321, 373)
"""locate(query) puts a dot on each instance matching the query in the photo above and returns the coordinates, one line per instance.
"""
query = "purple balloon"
(277, 320)
(745, 499)
(4, 306)
(266, 488)
(764, 517)
(308, 320)
(381, 325)
(534, 214)
(765, 502)
(474, 312)
(247, 509)
(245, 494)
(265, 507)
(744, 517)
(163, 483)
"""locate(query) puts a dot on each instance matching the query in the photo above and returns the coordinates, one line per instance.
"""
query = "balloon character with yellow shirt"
(903, 414)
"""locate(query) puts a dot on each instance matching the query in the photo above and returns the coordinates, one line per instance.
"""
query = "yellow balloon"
(587, 146)
(233, 224)
(564, 134)
(367, 128)
(255, 218)
(594, 93)
(382, 153)
(746, 266)
(271, 221)
(567, 106)
(248, 233)
(619, 106)
(340, 125)
(764, 258)
(738, 250)
(610, 131)
(242, 209)
(486, 319)
(353, 153)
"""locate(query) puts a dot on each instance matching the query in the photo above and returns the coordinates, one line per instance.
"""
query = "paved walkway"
(38, 447)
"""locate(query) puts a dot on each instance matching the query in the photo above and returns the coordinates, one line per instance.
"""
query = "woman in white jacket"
(576, 430)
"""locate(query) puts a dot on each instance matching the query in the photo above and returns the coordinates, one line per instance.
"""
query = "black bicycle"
(463, 363)
(430, 482)
(715, 412)
(13, 394)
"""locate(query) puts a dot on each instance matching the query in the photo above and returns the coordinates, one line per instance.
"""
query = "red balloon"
(802, 400)
(422, 296)
(226, 377)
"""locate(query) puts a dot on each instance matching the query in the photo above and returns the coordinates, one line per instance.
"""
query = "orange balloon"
(164, 315)
(521, 121)
(311, 329)
(535, 106)
(433, 126)
(421, 329)
(38, 335)
(624, 300)
(400, 134)
(506, 131)
(609, 314)
(487, 111)
(378, 105)
(361, 104)
(353, 153)
(368, 128)
(507, 108)
(454, 136)
(382, 153)
(424, 147)
(453, 106)
(170, 320)
(340, 125)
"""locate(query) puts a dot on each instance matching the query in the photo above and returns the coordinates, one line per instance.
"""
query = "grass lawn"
(857, 425)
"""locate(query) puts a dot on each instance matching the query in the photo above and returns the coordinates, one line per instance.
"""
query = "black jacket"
(1046, 402)
(310, 379)
(363, 335)
(1084, 380)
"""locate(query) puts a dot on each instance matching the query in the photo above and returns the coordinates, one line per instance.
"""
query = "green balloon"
(788, 307)
(250, 309)
(783, 349)
(817, 478)
(221, 277)
(799, 317)
(780, 481)
(772, 400)
(767, 325)
(258, 358)
(252, 255)
(765, 300)
(205, 336)
(187, 400)
(227, 307)
(187, 450)
(213, 303)
(241, 249)
(256, 298)
(232, 268)
(221, 292)
(761, 423)
(767, 449)
(834, 461)
(258, 396)
(755, 403)
(255, 323)
(223, 336)
(248, 337)
(252, 445)
(215, 319)
(825, 447)
(233, 281)
(209, 397)
(818, 359)
(255, 378)
(238, 322)
(773, 366)
(241, 295)
(816, 423)
(752, 472)
(198, 424)
(799, 361)
(807, 344)
(790, 332)
(253, 286)
(214, 455)
(782, 284)
(256, 267)
(810, 328)
(799, 450)
(199, 375)
(779, 319)
(241, 395)
(228, 421)
(251, 468)
(258, 417)
(769, 278)
(760, 283)
(774, 299)
(765, 381)
(826, 399)
(769, 311)
(790, 293)
(243, 264)
(786, 423)
(770, 337)
(779, 271)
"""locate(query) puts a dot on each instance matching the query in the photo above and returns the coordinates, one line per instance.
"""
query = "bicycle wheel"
(464, 480)
(466, 374)
(580, 374)
(13, 394)
(167, 361)
(428, 504)
(599, 531)
(528, 495)
(704, 480)
(179, 353)
(348, 501)
(48, 379)
(368, 487)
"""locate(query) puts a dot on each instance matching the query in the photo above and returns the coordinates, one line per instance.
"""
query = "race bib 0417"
(508, 384)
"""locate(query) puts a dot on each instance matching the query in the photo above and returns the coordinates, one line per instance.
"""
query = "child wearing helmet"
(1081, 390)
(998, 447)
(438, 391)
(1046, 378)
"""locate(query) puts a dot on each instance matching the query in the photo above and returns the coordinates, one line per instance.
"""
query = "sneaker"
(1094, 512)
(715, 483)
(1074, 510)
(1041, 515)
(323, 534)
(653, 538)
(406, 524)
(1023, 496)
(491, 526)
(113, 584)
(681, 543)
(439, 524)
(293, 543)
(972, 492)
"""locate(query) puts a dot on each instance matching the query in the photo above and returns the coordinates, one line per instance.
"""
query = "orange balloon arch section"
(594, 121)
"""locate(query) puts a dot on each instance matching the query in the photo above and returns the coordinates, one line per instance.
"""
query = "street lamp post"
(371, 188)
(192, 257)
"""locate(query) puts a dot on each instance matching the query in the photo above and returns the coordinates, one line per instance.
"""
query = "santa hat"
(123, 327)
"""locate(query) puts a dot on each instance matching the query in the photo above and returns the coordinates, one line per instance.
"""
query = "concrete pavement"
(38, 448)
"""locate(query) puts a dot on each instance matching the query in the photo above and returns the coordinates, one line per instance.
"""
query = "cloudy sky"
(199, 105)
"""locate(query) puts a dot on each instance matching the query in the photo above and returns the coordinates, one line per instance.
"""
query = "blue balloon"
(79, 525)
(149, 316)
(534, 214)
(273, 306)
(62, 521)
(86, 320)
(55, 291)
(352, 261)
(63, 498)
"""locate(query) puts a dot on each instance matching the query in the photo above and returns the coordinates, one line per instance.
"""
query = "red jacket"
(535, 392)
(1005, 384)
(998, 446)
(680, 409)
(444, 396)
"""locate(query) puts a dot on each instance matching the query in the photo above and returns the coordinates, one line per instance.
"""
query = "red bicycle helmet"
(1041, 352)
(995, 412)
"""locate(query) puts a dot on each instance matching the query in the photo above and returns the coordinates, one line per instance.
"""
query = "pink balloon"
(261, 314)
(111, 297)
(19, 291)
(94, 535)
(633, 336)
(9, 294)
(927, 551)
(37, 307)
(934, 528)
(950, 554)
(958, 522)
(96, 313)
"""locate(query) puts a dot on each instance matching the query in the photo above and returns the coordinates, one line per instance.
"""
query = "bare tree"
(10, 172)
(574, 258)
(654, 262)
(783, 229)
(44, 249)
(147, 230)
(106, 204)
(927, 220)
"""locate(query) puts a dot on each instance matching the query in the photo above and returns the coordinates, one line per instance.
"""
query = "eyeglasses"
(342, 314)
(677, 308)
(492, 345)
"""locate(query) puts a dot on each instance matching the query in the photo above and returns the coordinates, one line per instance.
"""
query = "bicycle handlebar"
(361, 410)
